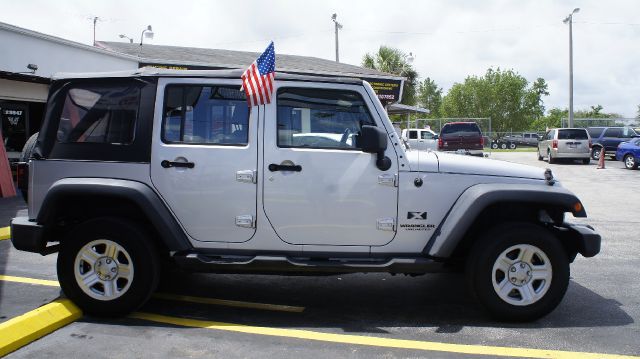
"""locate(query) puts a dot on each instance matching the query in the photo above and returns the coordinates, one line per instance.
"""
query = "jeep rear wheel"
(518, 271)
(108, 266)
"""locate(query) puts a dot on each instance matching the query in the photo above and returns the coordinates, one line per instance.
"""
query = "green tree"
(430, 96)
(394, 61)
(503, 95)
(552, 120)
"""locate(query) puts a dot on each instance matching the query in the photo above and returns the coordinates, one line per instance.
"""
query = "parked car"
(566, 143)
(609, 138)
(629, 153)
(420, 139)
(514, 140)
(170, 167)
(461, 137)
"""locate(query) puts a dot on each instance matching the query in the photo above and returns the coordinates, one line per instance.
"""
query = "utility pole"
(338, 26)
(569, 20)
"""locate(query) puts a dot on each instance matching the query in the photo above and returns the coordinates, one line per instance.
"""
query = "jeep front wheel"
(108, 266)
(518, 271)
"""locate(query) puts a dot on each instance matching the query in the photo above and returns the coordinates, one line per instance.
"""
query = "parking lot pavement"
(361, 315)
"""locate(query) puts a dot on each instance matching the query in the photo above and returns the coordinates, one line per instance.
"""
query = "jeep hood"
(430, 161)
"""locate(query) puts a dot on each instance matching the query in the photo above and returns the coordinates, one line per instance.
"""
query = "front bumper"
(28, 236)
(587, 240)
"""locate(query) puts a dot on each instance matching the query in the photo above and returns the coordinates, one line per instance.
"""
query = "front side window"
(426, 135)
(99, 114)
(320, 118)
(206, 115)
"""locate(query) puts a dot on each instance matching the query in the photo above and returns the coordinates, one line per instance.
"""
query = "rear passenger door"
(204, 157)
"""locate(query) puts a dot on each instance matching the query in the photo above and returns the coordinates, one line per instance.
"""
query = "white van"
(420, 139)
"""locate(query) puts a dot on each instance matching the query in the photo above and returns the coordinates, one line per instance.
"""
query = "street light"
(338, 27)
(569, 20)
(126, 37)
(148, 33)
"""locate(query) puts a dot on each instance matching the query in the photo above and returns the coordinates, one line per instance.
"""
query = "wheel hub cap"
(103, 269)
(106, 268)
(520, 273)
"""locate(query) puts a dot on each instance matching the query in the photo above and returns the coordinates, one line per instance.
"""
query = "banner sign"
(388, 90)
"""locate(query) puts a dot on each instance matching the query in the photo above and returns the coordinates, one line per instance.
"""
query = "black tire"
(485, 252)
(512, 146)
(630, 162)
(494, 145)
(27, 150)
(540, 158)
(503, 146)
(586, 161)
(550, 159)
(595, 152)
(145, 265)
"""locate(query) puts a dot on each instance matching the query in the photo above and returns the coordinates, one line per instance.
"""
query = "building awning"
(400, 109)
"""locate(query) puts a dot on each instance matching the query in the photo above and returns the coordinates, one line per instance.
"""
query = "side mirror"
(374, 140)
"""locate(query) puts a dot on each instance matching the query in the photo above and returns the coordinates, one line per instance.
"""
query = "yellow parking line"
(20, 331)
(375, 341)
(9, 278)
(229, 303)
(5, 233)
(177, 297)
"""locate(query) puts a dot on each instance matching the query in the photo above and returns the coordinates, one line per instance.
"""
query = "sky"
(449, 39)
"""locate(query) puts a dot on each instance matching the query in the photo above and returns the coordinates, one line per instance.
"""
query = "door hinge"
(386, 179)
(246, 176)
(246, 221)
(386, 224)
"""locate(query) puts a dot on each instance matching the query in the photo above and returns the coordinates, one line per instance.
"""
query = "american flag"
(257, 80)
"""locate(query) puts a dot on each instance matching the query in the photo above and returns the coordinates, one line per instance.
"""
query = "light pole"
(148, 33)
(126, 37)
(338, 27)
(569, 20)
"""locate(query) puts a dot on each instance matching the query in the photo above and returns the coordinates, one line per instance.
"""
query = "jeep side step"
(199, 262)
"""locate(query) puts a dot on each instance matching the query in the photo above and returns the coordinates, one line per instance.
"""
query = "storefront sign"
(388, 90)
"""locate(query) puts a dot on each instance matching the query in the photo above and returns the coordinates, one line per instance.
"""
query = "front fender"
(476, 198)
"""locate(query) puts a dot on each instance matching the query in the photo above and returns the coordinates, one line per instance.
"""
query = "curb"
(20, 331)
(5, 233)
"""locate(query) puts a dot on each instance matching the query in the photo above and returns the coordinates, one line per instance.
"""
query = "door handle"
(169, 164)
(295, 168)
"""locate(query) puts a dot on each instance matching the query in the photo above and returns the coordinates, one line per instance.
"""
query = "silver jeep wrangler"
(132, 170)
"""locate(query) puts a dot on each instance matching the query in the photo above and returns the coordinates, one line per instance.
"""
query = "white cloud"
(450, 39)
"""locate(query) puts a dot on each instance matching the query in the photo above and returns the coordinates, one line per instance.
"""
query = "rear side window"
(613, 132)
(99, 114)
(595, 132)
(206, 115)
(413, 135)
(321, 118)
(460, 129)
(572, 134)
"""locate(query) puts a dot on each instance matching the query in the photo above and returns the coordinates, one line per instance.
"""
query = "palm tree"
(394, 61)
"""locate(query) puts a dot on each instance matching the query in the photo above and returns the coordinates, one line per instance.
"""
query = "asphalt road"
(600, 312)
